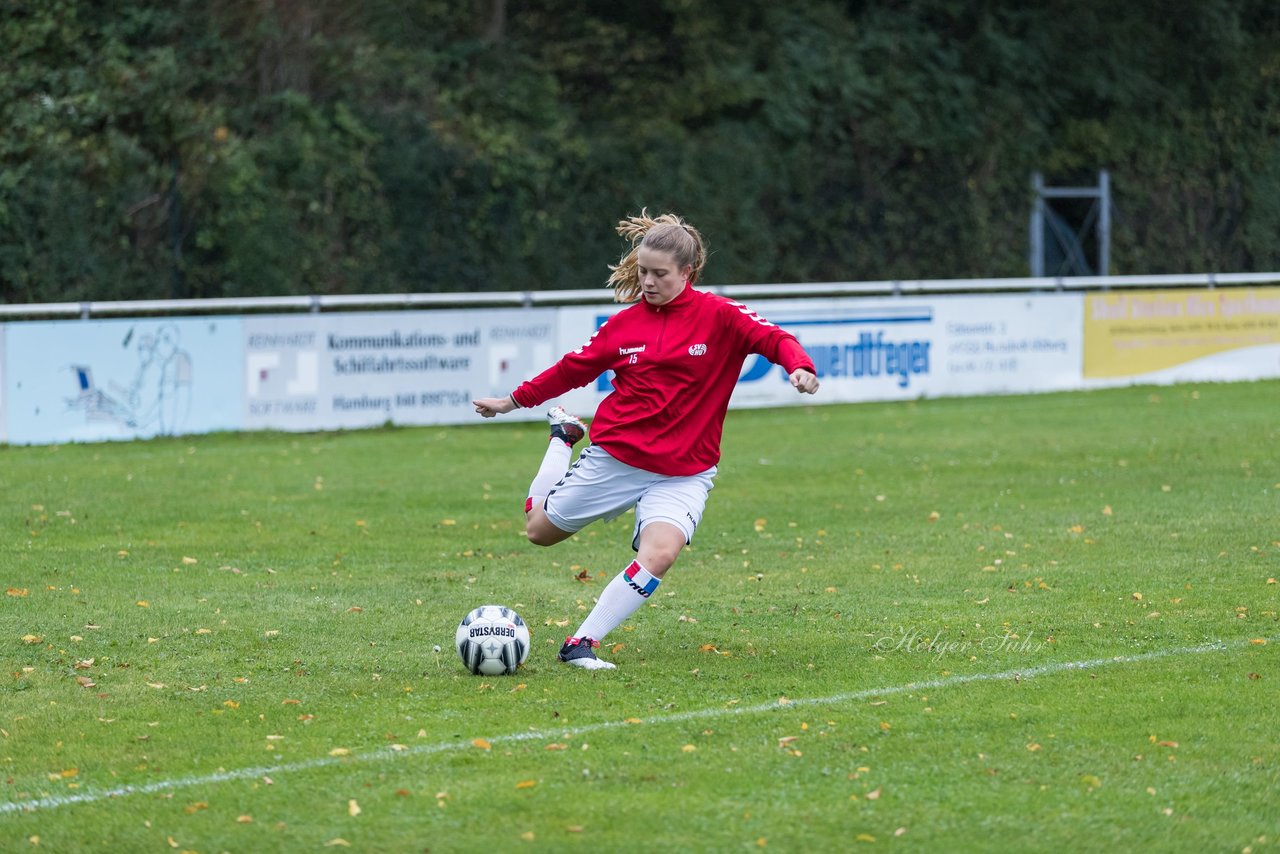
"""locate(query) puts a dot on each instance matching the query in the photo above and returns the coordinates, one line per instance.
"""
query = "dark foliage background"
(220, 148)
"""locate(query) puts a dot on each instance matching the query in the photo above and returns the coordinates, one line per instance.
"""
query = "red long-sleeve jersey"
(675, 368)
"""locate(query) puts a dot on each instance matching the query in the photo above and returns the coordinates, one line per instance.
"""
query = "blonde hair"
(666, 233)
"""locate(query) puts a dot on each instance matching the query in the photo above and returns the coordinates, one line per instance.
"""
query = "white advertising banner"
(4, 421)
(914, 347)
(93, 380)
(325, 371)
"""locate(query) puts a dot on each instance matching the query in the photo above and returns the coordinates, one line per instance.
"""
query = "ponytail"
(666, 233)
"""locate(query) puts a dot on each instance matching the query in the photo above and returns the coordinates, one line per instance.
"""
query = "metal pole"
(1037, 226)
(1104, 223)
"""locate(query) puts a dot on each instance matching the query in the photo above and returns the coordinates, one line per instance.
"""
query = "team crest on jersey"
(698, 350)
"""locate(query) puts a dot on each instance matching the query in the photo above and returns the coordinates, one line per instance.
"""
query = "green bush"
(196, 149)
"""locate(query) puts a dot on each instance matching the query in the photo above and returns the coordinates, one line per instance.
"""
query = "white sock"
(621, 597)
(555, 462)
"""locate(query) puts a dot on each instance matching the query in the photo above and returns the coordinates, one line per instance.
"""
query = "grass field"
(1025, 623)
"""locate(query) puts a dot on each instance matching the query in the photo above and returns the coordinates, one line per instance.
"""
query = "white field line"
(386, 753)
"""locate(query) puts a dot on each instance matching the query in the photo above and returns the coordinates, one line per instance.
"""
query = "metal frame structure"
(1099, 215)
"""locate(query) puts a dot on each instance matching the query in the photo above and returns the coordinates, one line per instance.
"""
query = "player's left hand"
(804, 381)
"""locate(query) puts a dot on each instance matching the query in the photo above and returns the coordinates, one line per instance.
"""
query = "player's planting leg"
(659, 545)
(621, 597)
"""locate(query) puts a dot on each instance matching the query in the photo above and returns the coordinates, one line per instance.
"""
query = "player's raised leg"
(566, 431)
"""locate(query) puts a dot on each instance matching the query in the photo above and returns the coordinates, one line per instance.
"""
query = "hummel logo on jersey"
(698, 350)
(627, 351)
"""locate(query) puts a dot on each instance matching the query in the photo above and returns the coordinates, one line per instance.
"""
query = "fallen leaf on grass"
(873, 795)
(17, 591)
(340, 751)
(31, 639)
(192, 809)
(337, 840)
(85, 682)
(244, 819)
(189, 561)
(556, 746)
(526, 784)
(481, 743)
(353, 808)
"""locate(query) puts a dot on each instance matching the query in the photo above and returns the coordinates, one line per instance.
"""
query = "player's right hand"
(488, 407)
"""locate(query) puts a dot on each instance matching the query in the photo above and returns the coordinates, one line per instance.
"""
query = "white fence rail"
(392, 302)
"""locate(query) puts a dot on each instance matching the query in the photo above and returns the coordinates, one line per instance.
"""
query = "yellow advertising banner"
(1138, 332)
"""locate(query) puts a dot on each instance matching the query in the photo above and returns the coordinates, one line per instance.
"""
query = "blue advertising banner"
(99, 380)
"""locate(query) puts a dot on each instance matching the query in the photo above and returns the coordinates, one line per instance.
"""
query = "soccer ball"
(492, 640)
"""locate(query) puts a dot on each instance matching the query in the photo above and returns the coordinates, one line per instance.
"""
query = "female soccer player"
(655, 440)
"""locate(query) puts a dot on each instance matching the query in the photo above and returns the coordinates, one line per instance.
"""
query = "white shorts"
(598, 486)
